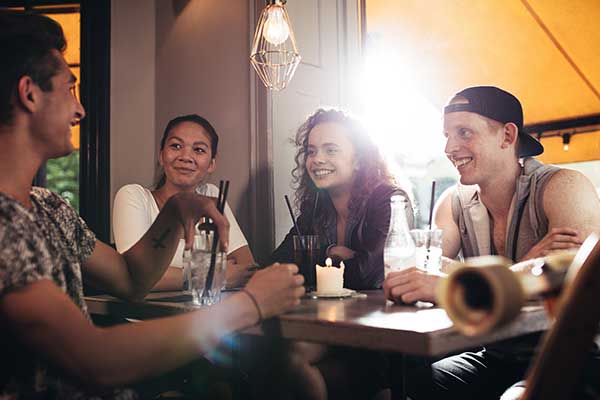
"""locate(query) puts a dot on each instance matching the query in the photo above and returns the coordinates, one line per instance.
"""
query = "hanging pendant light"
(274, 54)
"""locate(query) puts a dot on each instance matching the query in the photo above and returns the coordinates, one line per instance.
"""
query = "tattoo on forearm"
(159, 243)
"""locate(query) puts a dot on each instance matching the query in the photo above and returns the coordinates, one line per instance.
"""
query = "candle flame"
(328, 262)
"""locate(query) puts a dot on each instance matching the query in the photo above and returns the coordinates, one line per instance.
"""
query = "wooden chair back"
(557, 370)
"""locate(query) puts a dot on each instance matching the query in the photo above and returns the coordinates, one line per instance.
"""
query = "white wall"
(327, 36)
(202, 67)
(132, 93)
(173, 57)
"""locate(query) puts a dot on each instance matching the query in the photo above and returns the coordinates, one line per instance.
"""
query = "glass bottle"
(399, 251)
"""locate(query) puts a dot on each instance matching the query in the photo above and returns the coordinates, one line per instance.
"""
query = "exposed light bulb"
(274, 55)
(276, 30)
(566, 139)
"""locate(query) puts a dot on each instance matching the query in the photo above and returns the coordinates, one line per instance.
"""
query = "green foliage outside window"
(62, 177)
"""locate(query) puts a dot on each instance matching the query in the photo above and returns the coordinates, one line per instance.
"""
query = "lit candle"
(330, 279)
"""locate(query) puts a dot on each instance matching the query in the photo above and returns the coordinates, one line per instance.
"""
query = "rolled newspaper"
(486, 292)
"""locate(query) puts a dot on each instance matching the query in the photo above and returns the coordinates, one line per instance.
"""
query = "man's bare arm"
(570, 200)
(132, 274)
(47, 321)
(443, 220)
(573, 210)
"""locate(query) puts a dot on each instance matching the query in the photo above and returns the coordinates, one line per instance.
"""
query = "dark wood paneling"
(95, 128)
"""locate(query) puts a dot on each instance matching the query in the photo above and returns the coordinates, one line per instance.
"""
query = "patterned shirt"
(49, 241)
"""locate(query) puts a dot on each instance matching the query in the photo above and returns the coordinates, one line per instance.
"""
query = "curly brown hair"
(372, 169)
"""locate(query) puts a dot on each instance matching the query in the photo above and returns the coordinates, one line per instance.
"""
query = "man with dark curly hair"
(48, 346)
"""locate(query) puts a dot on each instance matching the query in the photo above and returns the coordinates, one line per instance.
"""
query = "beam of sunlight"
(402, 121)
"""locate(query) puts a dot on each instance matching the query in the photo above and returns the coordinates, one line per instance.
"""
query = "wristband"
(251, 296)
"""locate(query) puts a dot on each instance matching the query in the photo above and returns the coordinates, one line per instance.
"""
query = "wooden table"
(367, 322)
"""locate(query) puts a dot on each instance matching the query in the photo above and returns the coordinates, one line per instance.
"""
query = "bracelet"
(260, 317)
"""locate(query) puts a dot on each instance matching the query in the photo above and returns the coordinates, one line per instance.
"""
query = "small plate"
(343, 293)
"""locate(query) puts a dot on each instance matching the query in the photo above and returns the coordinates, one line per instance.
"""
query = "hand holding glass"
(197, 264)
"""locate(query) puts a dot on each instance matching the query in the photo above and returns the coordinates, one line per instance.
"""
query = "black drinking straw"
(431, 203)
(289, 205)
(220, 195)
(224, 199)
(221, 199)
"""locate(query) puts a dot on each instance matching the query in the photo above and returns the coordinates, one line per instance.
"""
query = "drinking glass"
(428, 244)
(306, 256)
(197, 264)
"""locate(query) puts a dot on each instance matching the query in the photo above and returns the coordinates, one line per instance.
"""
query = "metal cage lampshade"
(274, 54)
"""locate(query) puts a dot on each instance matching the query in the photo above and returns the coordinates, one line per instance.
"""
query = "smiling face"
(187, 158)
(59, 111)
(330, 157)
(475, 145)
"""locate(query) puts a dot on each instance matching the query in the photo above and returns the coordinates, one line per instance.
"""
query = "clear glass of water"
(196, 267)
(428, 244)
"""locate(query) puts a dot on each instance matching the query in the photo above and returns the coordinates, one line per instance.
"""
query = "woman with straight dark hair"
(187, 156)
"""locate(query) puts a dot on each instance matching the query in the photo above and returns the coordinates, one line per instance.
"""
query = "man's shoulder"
(567, 175)
(47, 198)
(449, 194)
(56, 207)
(42, 192)
(566, 181)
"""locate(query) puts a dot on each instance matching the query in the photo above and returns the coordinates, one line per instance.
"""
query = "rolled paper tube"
(481, 294)
(487, 292)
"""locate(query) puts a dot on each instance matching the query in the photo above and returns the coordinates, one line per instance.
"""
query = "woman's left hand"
(340, 252)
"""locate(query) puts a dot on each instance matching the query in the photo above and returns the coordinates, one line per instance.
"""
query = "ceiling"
(546, 52)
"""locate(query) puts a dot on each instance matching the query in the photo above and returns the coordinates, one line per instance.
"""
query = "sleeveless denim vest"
(527, 222)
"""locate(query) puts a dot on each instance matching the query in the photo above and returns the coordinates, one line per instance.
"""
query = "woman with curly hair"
(343, 191)
(339, 167)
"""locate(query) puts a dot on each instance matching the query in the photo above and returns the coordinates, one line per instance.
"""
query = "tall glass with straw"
(428, 242)
(205, 264)
(306, 252)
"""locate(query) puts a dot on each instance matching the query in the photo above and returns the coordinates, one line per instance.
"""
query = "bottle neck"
(398, 221)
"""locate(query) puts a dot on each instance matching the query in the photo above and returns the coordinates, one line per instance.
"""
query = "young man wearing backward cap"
(506, 203)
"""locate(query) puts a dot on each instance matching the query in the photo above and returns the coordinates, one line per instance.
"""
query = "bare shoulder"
(570, 200)
(443, 207)
(568, 177)
(444, 220)
(569, 184)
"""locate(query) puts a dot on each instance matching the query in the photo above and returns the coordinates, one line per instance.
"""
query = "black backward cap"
(499, 105)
